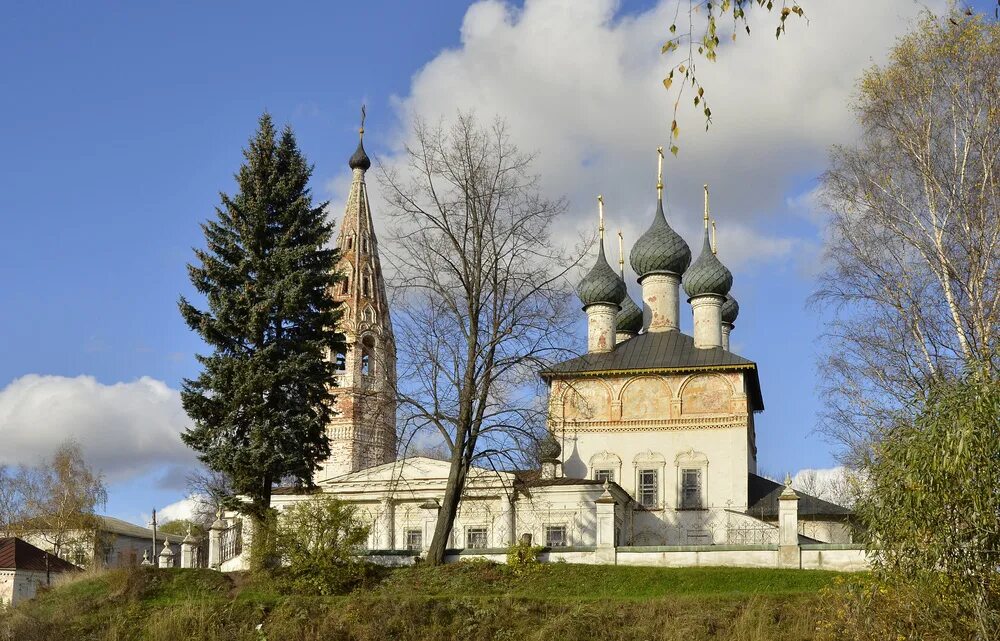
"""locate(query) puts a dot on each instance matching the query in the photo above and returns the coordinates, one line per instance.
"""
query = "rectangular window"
(555, 536)
(649, 488)
(475, 538)
(414, 539)
(691, 489)
(605, 475)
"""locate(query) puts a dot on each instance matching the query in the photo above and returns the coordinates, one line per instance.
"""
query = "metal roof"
(762, 499)
(17, 554)
(659, 352)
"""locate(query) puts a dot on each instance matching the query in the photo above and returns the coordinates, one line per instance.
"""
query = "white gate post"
(215, 542)
(789, 555)
(606, 551)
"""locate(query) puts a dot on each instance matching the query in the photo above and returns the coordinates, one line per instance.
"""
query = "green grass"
(470, 600)
(590, 582)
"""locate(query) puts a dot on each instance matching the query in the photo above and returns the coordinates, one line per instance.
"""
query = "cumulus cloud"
(124, 429)
(581, 85)
(185, 509)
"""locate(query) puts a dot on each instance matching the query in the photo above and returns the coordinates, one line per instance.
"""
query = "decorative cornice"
(677, 424)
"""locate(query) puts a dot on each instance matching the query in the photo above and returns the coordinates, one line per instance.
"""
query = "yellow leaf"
(667, 82)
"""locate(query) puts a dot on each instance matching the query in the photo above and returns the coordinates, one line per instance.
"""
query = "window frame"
(642, 493)
(698, 498)
(554, 527)
(477, 530)
(607, 472)
(407, 533)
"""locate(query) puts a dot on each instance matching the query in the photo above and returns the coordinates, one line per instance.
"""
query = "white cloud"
(582, 86)
(184, 509)
(124, 429)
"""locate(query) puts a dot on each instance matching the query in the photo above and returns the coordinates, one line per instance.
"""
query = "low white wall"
(694, 556)
(841, 558)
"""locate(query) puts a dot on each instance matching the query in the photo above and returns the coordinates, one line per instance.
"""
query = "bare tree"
(914, 242)
(211, 491)
(481, 298)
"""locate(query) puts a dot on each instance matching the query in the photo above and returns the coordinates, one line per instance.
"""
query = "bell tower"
(363, 429)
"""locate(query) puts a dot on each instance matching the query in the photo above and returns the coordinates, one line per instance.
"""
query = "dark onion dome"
(660, 249)
(360, 159)
(707, 275)
(549, 449)
(630, 318)
(730, 310)
(601, 284)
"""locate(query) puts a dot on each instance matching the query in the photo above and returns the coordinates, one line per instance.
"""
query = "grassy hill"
(463, 601)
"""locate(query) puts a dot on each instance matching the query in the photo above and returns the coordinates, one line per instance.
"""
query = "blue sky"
(122, 122)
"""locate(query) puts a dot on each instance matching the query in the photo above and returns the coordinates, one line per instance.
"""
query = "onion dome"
(707, 275)
(660, 249)
(549, 449)
(601, 284)
(730, 310)
(360, 159)
(630, 317)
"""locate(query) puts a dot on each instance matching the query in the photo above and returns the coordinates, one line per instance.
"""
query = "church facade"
(651, 433)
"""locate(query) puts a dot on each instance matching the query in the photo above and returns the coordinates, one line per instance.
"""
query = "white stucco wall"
(20, 585)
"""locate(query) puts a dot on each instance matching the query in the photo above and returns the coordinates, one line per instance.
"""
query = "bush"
(522, 557)
(318, 541)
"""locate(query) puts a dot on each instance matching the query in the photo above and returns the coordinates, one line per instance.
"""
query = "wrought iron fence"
(232, 542)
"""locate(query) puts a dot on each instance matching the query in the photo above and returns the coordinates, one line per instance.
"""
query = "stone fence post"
(789, 554)
(189, 551)
(606, 550)
(215, 542)
(166, 555)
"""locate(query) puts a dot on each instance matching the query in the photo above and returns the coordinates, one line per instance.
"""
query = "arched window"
(349, 244)
(367, 356)
(340, 361)
(366, 286)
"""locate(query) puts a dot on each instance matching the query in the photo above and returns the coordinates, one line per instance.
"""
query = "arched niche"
(646, 398)
(706, 394)
(586, 400)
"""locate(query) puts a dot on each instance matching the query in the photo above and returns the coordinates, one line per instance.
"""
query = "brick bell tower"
(363, 430)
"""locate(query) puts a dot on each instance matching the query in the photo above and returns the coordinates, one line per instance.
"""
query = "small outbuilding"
(23, 568)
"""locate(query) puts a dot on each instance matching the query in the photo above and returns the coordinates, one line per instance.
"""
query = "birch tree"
(481, 301)
(913, 247)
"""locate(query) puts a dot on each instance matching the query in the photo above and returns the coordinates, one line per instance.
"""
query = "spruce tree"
(262, 401)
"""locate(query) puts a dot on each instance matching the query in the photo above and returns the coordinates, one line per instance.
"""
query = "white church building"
(651, 456)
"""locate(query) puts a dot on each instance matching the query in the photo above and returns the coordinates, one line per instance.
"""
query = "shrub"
(318, 541)
(522, 557)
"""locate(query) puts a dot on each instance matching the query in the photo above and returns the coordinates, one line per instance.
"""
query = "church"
(651, 444)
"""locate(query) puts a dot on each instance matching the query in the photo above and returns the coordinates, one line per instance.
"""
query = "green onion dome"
(660, 249)
(601, 284)
(630, 318)
(549, 449)
(707, 275)
(730, 310)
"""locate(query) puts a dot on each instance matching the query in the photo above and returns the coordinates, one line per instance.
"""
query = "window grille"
(649, 488)
(555, 536)
(691, 489)
(605, 475)
(340, 361)
(475, 538)
(414, 540)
